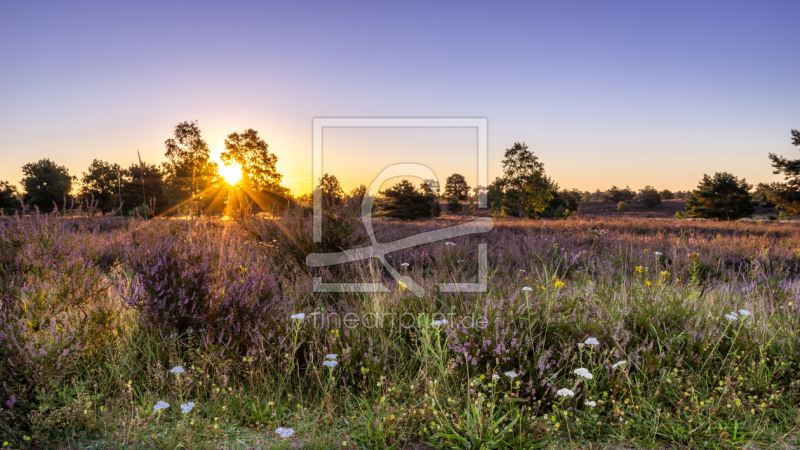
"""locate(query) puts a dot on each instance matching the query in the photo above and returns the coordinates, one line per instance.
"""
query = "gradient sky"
(613, 92)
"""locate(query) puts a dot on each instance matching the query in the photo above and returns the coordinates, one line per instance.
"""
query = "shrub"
(722, 197)
(666, 194)
(622, 206)
(649, 197)
(405, 202)
(453, 205)
(616, 194)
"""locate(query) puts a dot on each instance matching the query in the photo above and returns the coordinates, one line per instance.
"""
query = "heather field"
(620, 332)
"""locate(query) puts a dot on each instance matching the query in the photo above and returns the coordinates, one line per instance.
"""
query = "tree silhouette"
(45, 184)
(8, 197)
(787, 195)
(101, 183)
(252, 154)
(456, 186)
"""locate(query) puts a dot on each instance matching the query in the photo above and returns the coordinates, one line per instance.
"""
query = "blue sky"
(626, 93)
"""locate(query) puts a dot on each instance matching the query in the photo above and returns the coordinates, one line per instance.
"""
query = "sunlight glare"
(232, 173)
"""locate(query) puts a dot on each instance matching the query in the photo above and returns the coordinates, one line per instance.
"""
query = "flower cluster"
(584, 373)
(187, 407)
(285, 432)
(160, 405)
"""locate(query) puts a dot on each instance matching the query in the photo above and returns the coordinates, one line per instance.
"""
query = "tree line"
(187, 182)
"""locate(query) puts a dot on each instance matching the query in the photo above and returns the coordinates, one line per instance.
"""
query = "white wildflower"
(187, 407)
(522, 270)
(285, 432)
(330, 364)
(657, 253)
(584, 373)
(177, 369)
(511, 374)
(449, 243)
(437, 323)
(592, 341)
(331, 356)
(591, 403)
(299, 316)
(618, 363)
(565, 393)
(404, 264)
(744, 312)
(526, 288)
(495, 377)
(160, 405)
(731, 317)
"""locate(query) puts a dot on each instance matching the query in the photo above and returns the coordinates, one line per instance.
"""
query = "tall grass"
(94, 318)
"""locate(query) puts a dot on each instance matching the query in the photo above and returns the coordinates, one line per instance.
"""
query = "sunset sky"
(613, 92)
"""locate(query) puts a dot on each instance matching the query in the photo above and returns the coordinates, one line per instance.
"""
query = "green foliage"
(429, 187)
(723, 197)
(101, 184)
(9, 198)
(45, 184)
(456, 186)
(454, 205)
(787, 196)
(405, 202)
(617, 195)
(135, 196)
(622, 206)
(767, 195)
(666, 194)
(523, 189)
(649, 197)
(680, 215)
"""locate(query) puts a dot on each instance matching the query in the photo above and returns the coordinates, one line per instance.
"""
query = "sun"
(232, 173)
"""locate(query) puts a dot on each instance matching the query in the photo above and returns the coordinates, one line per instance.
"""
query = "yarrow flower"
(731, 316)
(618, 363)
(160, 405)
(511, 374)
(584, 373)
(565, 393)
(657, 253)
(526, 288)
(177, 369)
(299, 316)
(404, 264)
(285, 432)
(744, 312)
(331, 356)
(187, 407)
(449, 243)
(437, 323)
(495, 377)
(592, 341)
(591, 403)
(330, 364)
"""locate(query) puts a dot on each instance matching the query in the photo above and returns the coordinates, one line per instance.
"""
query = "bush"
(666, 194)
(453, 205)
(622, 206)
(616, 194)
(649, 197)
(722, 197)
(406, 202)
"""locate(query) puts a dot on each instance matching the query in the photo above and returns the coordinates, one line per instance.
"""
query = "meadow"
(618, 332)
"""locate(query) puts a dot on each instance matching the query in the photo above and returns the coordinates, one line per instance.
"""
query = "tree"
(188, 171)
(456, 186)
(767, 194)
(9, 200)
(252, 154)
(723, 197)
(45, 184)
(134, 196)
(787, 195)
(617, 195)
(666, 194)
(649, 197)
(454, 205)
(429, 187)
(405, 202)
(332, 192)
(101, 183)
(523, 186)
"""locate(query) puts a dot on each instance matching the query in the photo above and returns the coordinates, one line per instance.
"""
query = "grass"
(94, 316)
